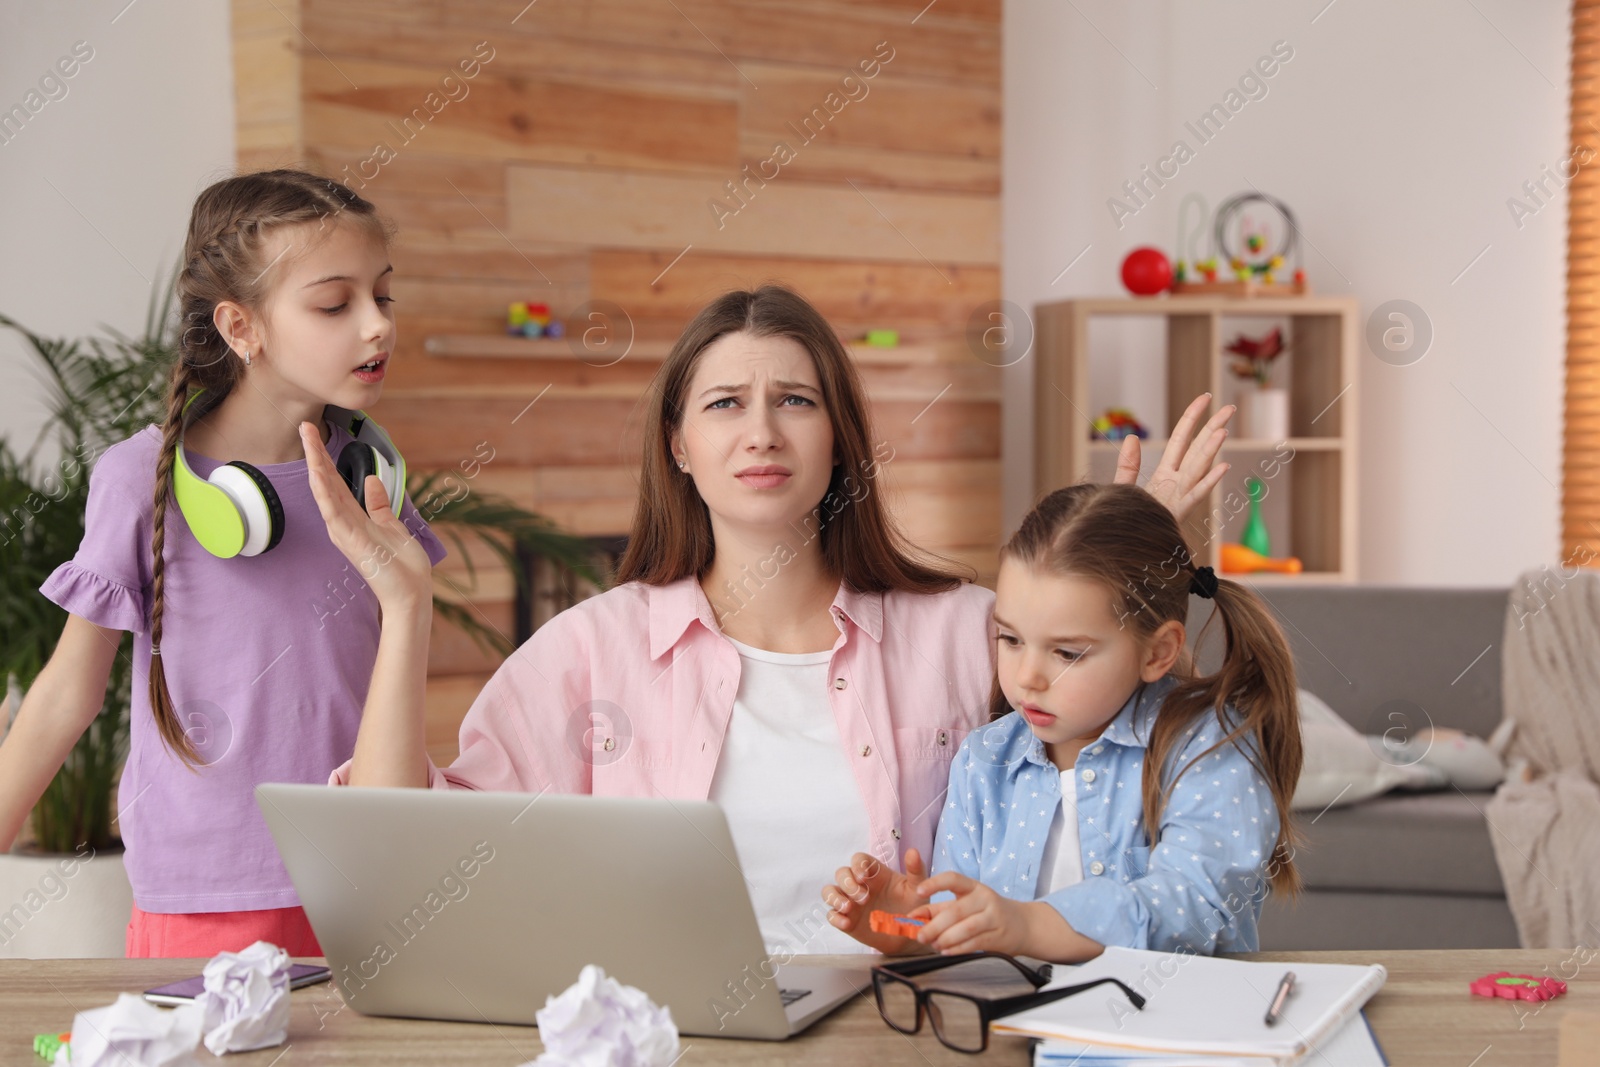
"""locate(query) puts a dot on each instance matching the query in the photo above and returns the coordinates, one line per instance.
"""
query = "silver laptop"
(477, 906)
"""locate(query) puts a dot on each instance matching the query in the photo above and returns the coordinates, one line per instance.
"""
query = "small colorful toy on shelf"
(883, 922)
(1517, 986)
(881, 338)
(1146, 271)
(46, 1045)
(1116, 424)
(524, 319)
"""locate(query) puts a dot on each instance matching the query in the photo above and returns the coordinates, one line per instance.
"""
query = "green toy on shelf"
(1255, 535)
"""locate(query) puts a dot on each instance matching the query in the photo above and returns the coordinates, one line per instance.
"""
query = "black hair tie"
(1204, 582)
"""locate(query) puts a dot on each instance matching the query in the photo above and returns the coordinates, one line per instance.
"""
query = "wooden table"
(1423, 1016)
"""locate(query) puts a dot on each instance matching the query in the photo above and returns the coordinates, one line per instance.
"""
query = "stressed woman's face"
(756, 437)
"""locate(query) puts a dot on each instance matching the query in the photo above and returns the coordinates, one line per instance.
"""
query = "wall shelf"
(1314, 515)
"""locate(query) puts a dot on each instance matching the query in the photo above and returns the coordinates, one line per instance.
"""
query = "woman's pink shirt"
(629, 694)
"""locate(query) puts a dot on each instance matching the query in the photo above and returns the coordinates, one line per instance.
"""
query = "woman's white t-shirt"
(793, 805)
(1062, 863)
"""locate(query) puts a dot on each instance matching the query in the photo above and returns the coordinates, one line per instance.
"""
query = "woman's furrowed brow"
(793, 387)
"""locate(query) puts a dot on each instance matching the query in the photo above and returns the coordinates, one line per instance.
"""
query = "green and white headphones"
(236, 512)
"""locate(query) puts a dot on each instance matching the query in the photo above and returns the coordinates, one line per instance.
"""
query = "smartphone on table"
(300, 974)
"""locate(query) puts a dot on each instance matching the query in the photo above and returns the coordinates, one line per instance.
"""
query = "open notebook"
(1200, 1005)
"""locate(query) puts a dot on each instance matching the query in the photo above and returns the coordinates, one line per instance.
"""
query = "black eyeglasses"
(961, 1020)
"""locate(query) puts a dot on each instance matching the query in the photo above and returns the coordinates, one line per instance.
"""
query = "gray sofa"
(1401, 870)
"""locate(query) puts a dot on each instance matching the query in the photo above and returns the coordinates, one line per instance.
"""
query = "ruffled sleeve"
(98, 599)
(108, 580)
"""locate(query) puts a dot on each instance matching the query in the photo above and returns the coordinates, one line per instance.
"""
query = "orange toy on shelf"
(1237, 559)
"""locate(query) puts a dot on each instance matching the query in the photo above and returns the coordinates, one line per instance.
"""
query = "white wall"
(95, 189)
(1396, 133)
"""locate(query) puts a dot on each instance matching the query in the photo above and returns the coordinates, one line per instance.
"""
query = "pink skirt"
(201, 935)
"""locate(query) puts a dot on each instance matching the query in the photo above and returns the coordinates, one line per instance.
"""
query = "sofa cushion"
(1391, 660)
(1411, 843)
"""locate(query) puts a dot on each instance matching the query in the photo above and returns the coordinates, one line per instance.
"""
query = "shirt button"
(944, 738)
(611, 743)
(866, 750)
(1088, 776)
(1095, 751)
(839, 683)
(1097, 867)
(895, 833)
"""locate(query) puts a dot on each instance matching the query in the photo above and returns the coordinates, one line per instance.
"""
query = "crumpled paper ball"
(135, 1033)
(599, 1022)
(246, 999)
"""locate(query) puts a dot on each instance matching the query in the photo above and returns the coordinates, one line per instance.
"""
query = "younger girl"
(1115, 798)
(253, 653)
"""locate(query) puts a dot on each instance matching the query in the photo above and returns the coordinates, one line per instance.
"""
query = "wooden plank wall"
(589, 157)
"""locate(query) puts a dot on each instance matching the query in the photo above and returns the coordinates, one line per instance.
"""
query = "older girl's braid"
(166, 715)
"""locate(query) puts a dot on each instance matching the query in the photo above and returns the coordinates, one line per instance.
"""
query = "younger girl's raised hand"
(374, 540)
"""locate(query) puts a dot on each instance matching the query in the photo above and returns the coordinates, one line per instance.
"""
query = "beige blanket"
(1546, 830)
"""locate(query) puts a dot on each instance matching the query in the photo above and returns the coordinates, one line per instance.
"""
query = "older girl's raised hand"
(1185, 475)
(373, 539)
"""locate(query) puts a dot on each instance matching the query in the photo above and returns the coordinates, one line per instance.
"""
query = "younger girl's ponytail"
(223, 260)
(1122, 537)
(1256, 677)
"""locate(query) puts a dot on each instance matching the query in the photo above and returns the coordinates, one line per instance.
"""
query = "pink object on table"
(1518, 986)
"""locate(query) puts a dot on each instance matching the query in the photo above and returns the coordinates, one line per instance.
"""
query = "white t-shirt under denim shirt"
(1062, 863)
(793, 805)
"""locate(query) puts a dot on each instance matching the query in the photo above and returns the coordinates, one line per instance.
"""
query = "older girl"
(253, 668)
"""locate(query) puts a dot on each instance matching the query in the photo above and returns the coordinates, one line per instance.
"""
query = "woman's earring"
(246, 356)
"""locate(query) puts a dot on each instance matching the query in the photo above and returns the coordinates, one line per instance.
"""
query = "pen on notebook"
(1285, 986)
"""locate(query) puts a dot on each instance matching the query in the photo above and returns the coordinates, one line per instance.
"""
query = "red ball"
(1146, 271)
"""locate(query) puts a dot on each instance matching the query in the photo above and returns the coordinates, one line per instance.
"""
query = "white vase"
(63, 905)
(1264, 414)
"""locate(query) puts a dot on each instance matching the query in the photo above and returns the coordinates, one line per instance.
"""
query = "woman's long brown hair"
(222, 260)
(860, 542)
(1122, 537)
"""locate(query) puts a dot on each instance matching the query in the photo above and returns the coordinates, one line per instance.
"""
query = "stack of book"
(1201, 1010)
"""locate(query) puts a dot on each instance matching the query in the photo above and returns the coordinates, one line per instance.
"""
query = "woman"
(771, 642)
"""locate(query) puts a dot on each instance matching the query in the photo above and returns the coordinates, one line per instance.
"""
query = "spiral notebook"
(1200, 1005)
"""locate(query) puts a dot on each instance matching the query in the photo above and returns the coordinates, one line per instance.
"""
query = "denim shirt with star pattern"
(1199, 887)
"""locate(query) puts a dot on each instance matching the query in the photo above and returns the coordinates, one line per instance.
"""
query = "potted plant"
(1263, 408)
(64, 883)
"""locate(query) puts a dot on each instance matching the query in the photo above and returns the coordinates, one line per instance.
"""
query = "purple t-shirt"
(267, 658)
